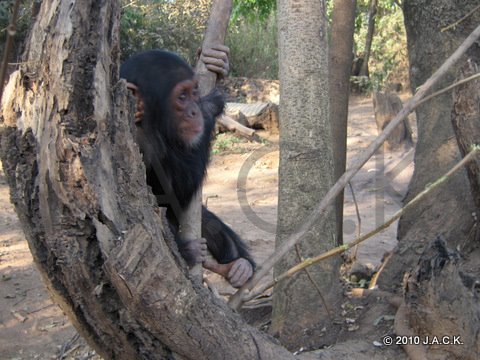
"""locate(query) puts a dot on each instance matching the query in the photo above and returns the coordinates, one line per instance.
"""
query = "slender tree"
(305, 175)
(372, 13)
(341, 56)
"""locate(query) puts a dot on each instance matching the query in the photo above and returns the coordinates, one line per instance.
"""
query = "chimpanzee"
(174, 132)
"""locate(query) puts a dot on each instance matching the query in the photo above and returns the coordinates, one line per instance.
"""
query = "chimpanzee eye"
(196, 90)
(182, 96)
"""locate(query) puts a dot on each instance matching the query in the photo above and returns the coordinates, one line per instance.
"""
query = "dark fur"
(175, 172)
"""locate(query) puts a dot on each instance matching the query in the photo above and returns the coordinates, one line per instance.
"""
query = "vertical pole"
(191, 221)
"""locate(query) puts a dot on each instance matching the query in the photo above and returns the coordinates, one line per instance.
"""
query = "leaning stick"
(191, 220)
(237, 299)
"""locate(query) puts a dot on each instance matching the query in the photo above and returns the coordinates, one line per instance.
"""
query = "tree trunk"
(466, 122)
(78, 185)
(386, 106)
(372, 13)
(449, 209)
(305, 175)
(341, 57)
(444, 281)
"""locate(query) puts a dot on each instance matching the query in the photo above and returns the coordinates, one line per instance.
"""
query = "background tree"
(372, 13)
(440, 233)
(388, 63)
(341, 56)
(449, 210)
(27, 11)
(305, 175)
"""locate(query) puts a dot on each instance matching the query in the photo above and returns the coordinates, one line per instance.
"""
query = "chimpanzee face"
(187, 115)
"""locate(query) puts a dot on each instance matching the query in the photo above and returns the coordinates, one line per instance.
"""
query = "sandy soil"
(243, 194)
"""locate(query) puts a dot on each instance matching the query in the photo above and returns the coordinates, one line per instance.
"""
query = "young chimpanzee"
(174, 131)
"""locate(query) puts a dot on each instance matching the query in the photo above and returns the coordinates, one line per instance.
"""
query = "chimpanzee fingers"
(215, 54)
(220, 47)
(213, 61)
(203, 248)
(215, 58)
(218, 70)
(214, 266)
(240, 272)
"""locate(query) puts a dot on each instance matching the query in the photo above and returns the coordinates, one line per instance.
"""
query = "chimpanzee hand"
(193, 251)
(236, 272)
(216, 59)
(240, 272)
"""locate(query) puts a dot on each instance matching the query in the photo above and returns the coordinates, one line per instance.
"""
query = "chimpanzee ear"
(140, 106)
(212, 105)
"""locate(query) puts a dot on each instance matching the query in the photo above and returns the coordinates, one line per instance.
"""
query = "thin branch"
(450, 87)
(191, 219)
(236, 300)
(460, 21)
(359, 219)
(340, 249)
(374, 279)
(312, 280)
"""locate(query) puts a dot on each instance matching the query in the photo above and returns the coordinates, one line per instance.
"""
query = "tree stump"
(386, 106)
(442, 302)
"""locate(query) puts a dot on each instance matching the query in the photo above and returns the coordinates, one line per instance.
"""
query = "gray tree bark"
(305, 175)
(78, 185)
(341, 57)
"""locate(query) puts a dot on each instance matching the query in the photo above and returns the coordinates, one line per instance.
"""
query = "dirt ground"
(243, 194)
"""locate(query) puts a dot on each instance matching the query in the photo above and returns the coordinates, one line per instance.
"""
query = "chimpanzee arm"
(212, 105)
(222, 242)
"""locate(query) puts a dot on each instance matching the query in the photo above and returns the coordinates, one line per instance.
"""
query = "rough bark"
(305, 175)
(466, 122)
(341, 57)
(448, 210)
(442, 302)
(78, 186)
(386, 105)
(442, 292)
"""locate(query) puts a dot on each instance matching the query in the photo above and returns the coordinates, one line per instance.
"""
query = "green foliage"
(177, 26)
(23, 23)
(226, 142)
(253, 47)
(253, 9)
(388, 58)
(5, 11)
